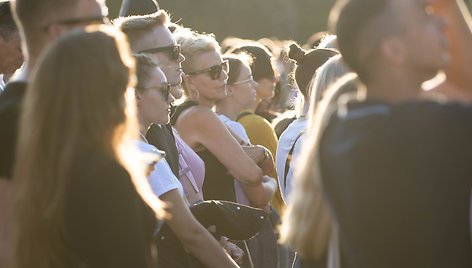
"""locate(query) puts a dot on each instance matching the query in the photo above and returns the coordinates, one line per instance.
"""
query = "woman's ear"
(393, 50)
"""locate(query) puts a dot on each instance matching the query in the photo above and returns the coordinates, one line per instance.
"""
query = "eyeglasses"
(173, 51)
(215, 71)
(77, 21)
(164, 89)
(249, 80)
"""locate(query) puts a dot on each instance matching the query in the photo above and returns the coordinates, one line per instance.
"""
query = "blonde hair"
(136, 27)
(329, 41)
(307, 223)
(31, 16)
(325, 76)
(145, 65)
(194, 44)
(55, 128)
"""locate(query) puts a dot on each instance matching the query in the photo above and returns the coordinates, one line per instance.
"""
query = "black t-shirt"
(10, 106)
(107, 222)
(398, 178)
(163, 139)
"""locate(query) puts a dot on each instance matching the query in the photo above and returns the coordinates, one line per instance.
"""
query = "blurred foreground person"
(39, 23)
(379, 162)
(76, 201)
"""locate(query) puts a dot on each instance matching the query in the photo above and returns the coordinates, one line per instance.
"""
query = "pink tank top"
(190, 165)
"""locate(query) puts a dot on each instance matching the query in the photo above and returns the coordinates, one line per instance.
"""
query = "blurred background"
(252, 19)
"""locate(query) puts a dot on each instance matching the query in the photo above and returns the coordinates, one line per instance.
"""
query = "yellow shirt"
(260, 132)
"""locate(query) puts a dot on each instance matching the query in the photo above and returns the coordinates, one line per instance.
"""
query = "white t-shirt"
(286, 142)
(235, 126)
(162, 179)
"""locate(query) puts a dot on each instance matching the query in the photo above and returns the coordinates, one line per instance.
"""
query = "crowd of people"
(139, 142)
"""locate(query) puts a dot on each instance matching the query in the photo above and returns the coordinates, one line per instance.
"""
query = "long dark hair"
(77, 100)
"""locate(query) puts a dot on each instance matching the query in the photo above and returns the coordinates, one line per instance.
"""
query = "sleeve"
(108, 218)
(260, 132)
(163, 180)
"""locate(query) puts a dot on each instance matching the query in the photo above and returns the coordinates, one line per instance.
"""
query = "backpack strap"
(289, 157)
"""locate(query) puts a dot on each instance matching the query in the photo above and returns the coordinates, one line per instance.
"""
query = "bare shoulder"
(198, 115)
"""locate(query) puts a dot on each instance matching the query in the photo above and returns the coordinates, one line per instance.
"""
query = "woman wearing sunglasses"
(204, 83)
(153, 101)
(240, 91)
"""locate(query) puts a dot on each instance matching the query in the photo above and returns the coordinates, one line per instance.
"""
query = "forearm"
(260, 195)
(193, 235)
(207, 250)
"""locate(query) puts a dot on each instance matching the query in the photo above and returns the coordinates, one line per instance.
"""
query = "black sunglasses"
(86, 21)
(164, 89)
(214, 71)
(173, 51)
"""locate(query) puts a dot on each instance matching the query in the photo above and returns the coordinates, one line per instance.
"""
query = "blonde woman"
(205, 81)
(307, 226)
(76, 203)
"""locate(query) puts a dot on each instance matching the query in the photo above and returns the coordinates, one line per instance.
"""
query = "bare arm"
(193, 235)
(270, 187)
(201, 126)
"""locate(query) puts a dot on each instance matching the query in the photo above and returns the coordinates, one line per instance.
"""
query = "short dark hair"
(235, 62)
(353, 22)
(307, 64)
(7, 24)
(138, 7)
(144, 67)
(261, 66)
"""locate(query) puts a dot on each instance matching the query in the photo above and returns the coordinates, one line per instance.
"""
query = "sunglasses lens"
(215, 72)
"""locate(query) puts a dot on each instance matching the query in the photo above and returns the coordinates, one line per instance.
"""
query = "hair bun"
(296, 53)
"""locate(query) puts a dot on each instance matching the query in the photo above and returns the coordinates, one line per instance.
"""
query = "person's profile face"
(154, 99)
(243, 89)
(168, 57)
(211, 87)
(10, 54)
(424, 37)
